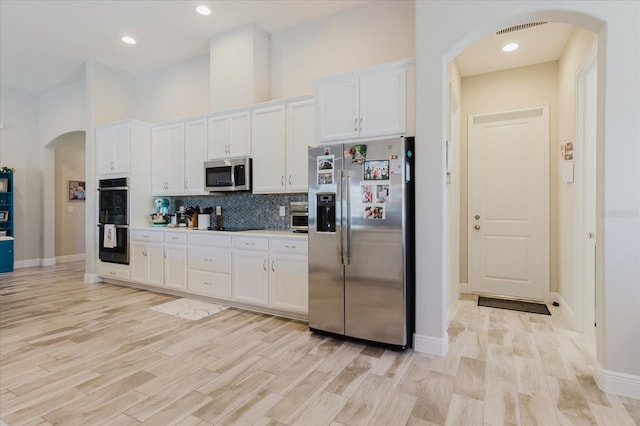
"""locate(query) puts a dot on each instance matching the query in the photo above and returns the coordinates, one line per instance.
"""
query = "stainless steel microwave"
(233, 174)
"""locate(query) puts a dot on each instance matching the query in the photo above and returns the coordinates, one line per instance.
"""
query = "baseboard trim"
(48, 262)
(71, 258)
(464, 288)
(29, 263)
(566, 309)
(431, 345)
(92, 278)
(617, 383)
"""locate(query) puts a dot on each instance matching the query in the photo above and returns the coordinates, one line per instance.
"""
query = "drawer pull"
(206, 259)
(207, 283)
(291, 247)
(250, 244)
(112, 273)
(175, 238)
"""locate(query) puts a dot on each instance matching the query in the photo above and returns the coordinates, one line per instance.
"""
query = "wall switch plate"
(218, 211)
(282, 211)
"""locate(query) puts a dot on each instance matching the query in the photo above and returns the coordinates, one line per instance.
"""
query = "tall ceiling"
(45, 43)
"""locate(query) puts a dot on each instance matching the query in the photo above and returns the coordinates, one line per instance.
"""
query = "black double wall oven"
(113, 220)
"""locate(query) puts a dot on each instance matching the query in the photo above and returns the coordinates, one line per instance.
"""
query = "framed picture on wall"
(4, 215)
(76, 190)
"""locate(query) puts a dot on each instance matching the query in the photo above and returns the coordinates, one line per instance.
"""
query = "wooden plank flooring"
(96, 354)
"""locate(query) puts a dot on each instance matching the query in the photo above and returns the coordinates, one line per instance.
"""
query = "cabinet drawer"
(250, 243)
(212, 259)
(210, 240)
(114, 270)
(175, 238)
(289, 246)
(144, 235)
(209, 284)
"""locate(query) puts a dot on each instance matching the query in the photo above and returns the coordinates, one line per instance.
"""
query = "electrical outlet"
(218, 211)
(282, 211)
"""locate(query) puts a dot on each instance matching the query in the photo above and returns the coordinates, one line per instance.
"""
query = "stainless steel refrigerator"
(361, 230)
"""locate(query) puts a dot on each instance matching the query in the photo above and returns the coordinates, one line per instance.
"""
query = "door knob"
(477, 217)
(477, 227)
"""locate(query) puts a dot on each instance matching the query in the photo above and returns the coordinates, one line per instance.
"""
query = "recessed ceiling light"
(203, 10)
(129, 40)
(510, 47)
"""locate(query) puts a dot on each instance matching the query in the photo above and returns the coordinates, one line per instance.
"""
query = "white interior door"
(508, 203)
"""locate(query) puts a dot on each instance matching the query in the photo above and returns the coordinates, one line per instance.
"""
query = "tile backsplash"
(243, 209)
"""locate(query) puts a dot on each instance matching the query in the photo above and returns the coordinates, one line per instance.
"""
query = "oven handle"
(117, 226)
(114, 188)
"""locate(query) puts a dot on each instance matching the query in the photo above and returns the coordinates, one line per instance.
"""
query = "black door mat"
(514, 305)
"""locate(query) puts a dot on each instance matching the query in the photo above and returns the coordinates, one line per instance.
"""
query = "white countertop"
(269, 233)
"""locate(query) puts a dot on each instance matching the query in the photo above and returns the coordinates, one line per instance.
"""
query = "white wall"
(453, 187)
(574, 54)
(62, 110)
(379, 32)
(177, 91)
(70, 215)
(239, 68)
(496, 91)
(19, 149)
(438, 41)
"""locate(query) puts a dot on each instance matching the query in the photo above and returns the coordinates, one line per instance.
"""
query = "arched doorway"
(64, 199)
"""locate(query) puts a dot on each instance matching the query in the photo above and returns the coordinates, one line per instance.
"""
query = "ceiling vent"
(520, 27)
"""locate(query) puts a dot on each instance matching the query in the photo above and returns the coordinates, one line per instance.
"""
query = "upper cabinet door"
(175, 171)
(338, 113)
(113, 149)
(383, 103)
(218, 138)
(195, 152)
(300, 135)
(240, 134)
(159, 160)
(269, 150)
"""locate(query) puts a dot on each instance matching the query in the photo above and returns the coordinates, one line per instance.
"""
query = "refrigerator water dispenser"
(326, 212)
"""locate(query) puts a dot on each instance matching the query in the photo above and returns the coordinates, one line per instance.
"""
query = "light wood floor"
(90, 354)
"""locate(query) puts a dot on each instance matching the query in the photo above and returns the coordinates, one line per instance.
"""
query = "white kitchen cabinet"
(229, 135)
(114, 270)
(209, 265)
(195, 153)
(112, 146)
(175, 261)
(300, 136)
(281, 135)
(147, 256)
(289, 275)
(363, 104)
(167, 159)
(268, 147)
(177, 157)
(251, 270)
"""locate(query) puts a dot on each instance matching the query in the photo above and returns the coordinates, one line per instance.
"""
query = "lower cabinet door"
(211, 284)
(289, 283)
(175, 267)
(251, 277)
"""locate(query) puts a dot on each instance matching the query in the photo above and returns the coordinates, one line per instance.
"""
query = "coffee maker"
(161, 216)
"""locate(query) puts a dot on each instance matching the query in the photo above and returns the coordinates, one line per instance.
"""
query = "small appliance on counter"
(161, 215)
(299, 217)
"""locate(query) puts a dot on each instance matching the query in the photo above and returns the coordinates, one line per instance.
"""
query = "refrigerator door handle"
(348, 188)
(339, 217)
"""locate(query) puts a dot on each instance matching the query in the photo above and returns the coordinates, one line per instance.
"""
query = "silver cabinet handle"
(264, 265)
(207, 283)
(355, 124)
(289, 179)
(291, 247)
(281, 180)
(164, 253)
(273, 265)
(250, 244)
(360, 123)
